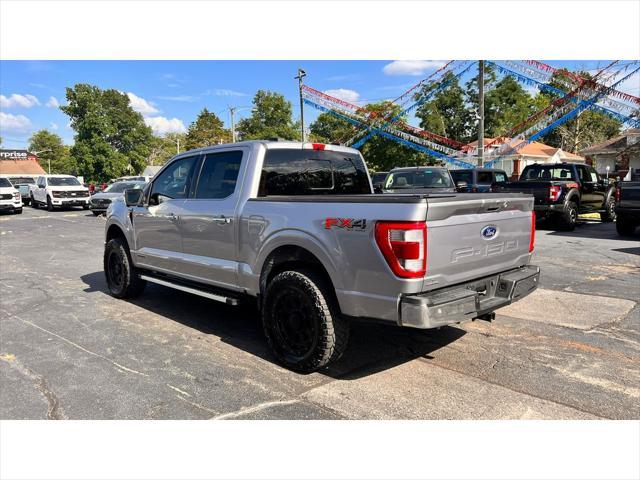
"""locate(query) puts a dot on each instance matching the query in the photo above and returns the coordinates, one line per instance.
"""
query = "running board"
(195, 291)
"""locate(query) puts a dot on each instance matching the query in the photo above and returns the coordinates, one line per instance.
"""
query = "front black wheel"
(122, 276)
(302, 322)
(34, 204)
(49, 204)
(609, 214)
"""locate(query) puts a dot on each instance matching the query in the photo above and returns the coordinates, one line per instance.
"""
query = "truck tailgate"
(476, 235)
(539, 190)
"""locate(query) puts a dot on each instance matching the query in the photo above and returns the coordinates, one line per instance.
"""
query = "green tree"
(271, 118)
(328, 128)
(447, 113)
(507, 104)
(165, 147)
(206, 130)
(49, 148)
(111, 138)
(585, 129)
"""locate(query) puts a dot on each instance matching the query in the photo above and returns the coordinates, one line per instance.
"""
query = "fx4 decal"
(348, 223)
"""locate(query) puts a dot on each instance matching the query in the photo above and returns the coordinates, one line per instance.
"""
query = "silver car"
(100, 201)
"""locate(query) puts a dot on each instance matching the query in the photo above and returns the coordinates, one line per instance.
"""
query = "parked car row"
(561, 191)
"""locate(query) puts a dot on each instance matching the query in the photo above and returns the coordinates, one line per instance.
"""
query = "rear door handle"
(221, 220)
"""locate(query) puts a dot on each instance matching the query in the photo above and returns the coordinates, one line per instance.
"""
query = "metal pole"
(480, 113)
(177, 145)
(232, 110)
(49, 162)
(301, 75)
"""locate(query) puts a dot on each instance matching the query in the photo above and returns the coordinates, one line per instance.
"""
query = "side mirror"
(132, 197)
(461, 185)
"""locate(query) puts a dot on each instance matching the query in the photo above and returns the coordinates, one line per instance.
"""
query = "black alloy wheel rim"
(573, 215)
(612, 210)
(116, 272)
(294, 324)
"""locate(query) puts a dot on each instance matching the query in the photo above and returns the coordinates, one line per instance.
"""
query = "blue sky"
(169, 94)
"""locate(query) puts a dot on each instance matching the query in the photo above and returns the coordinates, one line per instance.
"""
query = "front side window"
(501, 177)
(63, 182)
(41, 182)
(173, 182)
(485, 177)
(462, 176)
(219, 175)
(312, 172)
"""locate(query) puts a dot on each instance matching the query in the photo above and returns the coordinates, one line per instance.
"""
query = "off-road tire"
(569, 217)
(609, 214)
(49, 204)
(329, 331)
(123, 279)
(624, 226)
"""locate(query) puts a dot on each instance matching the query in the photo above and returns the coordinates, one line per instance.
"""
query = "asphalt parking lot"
(70, 351)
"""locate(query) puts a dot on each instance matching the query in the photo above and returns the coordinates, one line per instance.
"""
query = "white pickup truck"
(59, 191)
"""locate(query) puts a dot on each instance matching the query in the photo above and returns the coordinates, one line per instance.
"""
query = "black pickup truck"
(627, 207)
(563, 191)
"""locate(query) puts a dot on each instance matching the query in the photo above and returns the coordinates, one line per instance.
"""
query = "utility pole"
(301, 75)
(177, 145)
(232, 111)
(480, 113)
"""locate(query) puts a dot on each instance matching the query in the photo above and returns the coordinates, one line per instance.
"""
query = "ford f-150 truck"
(296, 228)
(563, 191)
(627, 207)
(55, 191)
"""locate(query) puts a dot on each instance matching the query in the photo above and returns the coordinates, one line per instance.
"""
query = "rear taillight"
(554, 193)
(404, 247)
(532, 237)
(618, 194)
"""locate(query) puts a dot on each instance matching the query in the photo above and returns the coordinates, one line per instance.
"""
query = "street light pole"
(301, 75)
(480, 113)
(232, 111)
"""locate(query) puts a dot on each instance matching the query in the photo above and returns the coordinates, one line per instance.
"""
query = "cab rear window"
(312, 172)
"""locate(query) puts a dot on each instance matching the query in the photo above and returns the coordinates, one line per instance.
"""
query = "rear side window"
(462, 176)
(219, 174)
(312, 172)
(485, 177)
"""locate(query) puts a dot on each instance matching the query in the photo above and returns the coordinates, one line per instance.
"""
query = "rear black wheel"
(122, 276)
(569, 217)
(609, 214)
(625, 226)
(302, 322)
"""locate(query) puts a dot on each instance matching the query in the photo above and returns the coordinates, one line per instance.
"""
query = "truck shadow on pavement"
(372, 347)
(590, 229)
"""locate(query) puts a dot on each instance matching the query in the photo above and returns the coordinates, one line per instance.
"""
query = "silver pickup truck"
(296, 228)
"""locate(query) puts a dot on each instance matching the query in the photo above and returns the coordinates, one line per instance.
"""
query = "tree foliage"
(271, 117)
(111, 138)
(380, 153)
(206, 130)
(49, 148)
(165, 147)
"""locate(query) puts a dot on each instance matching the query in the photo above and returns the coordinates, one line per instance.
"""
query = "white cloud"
(344, 94)
(14, 123)
(53, 102)
(162, 125)
(53, 126)
(17, 100)
(225, 92)
(411, 67)
(140, 105)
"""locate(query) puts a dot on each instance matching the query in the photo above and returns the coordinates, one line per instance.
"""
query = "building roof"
(614, 144)
(30, 167)
(533, 149)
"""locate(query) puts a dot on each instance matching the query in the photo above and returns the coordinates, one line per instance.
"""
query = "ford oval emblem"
(489, 232)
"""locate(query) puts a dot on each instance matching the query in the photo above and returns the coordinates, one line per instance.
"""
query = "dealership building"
(19, 162)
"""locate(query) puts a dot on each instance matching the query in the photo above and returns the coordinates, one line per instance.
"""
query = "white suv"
(10, 199)
(59, 191)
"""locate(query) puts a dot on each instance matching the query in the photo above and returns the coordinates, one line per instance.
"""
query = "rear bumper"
(469, 300)
(630, 212)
